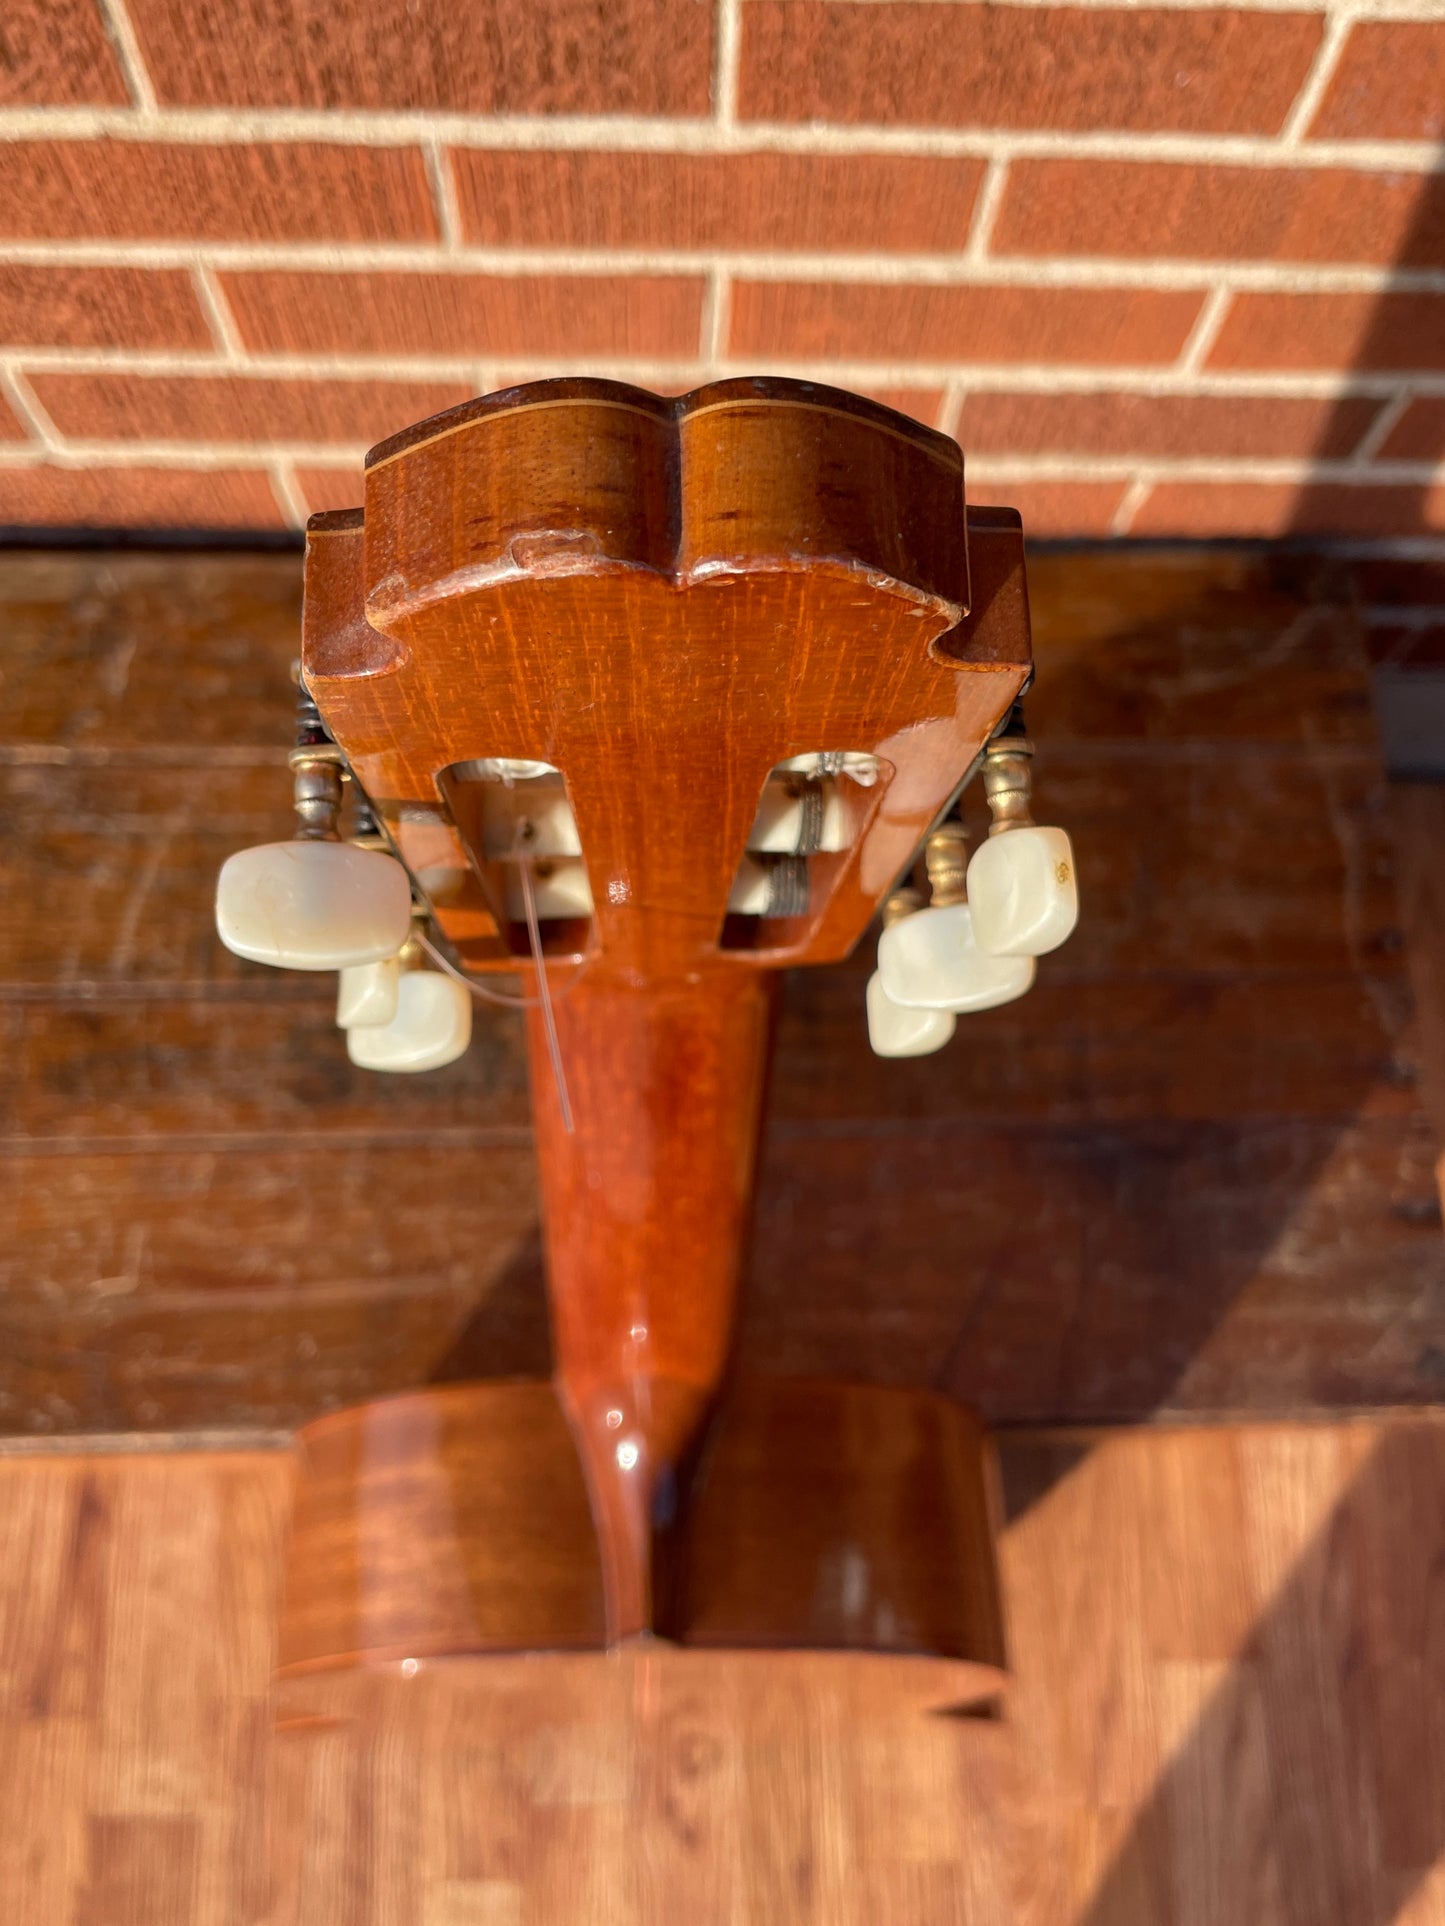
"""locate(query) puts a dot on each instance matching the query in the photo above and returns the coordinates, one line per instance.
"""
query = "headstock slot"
(506, 811)
(812, 813)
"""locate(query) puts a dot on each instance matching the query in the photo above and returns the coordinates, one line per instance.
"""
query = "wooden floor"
(1192, 1172)
(1228, 1710)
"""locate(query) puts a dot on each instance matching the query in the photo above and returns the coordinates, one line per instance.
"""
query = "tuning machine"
(1022, 883)
(972, 946)
(318, 903)
(314, 903)
(899, 1029)
(428, 1016)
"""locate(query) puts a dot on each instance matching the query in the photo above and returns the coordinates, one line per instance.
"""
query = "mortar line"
(1205, 332)
(985, 213)
(442, 178)
(727, 57)
(287, 491)
(717, 314)
(1166, 274)
(1381, 427)
(1338, 27)
(1130, 502)
(218, 314)
(230, 126)
(393, 367)
(122, 35)
(27, 405)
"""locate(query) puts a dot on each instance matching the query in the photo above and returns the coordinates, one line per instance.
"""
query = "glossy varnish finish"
(1225, 1708)
(820, 1518)
(448, 1522)
(647, 1204)
(664, 600)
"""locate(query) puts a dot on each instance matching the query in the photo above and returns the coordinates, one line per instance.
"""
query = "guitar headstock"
(673, 691)
(713, 664)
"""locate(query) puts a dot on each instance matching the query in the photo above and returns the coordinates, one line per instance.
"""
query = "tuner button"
(432, 1026)
(894, 1031)
(1023, 891)
(930, 961)
(313, 906)
(367, 993)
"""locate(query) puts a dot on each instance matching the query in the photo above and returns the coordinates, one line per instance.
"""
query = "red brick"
(54, 53)
(240, 408)
(139, 190)
(1385, 332)
(922, 404)
(527, 314)
(1087, 422)
(100, 307)
(48, 497)
(482, 57)
(1288, 508)
(1389, 84)
(953, 65)
(1419, 434)
(892, 203)
(11, 426)
(323, 488)
(1135, 208)
(1051, 508)
(869, 321)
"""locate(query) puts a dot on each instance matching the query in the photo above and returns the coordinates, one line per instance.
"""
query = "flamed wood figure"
(652, 699)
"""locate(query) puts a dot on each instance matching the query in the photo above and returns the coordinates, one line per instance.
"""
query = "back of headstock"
(665, 602)
(653, 698)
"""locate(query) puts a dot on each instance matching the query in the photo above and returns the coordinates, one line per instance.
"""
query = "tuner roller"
(789, 824)
(366, 993)
(313, 905)
(432, 1026)
(558, 890)
(553, 827)
(931, 961)
(897, 1031)
(1023, 891)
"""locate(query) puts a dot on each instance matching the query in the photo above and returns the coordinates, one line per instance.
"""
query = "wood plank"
(262, 1358)
(1419, 815)
(1275, 861)
(108, 872)
(1189, 1168)
(1273, 650)
(1189, 861)
(1076, 1272)
(1103, 1273)
(135, 1663)
(1233, 646)
(159, 655)
(1225, 1706)
(238, 1062)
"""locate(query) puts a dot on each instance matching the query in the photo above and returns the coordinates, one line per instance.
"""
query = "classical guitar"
(616, 707)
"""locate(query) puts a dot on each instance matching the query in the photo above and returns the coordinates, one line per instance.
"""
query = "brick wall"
(1174, 269)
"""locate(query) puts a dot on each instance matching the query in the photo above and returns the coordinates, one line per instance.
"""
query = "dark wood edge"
(978, 515)
(335, 521)
(778, 390)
